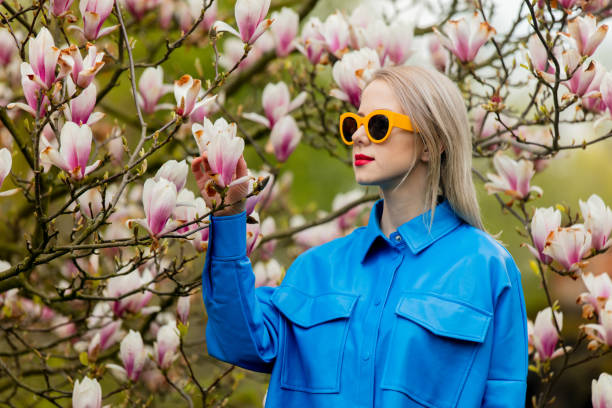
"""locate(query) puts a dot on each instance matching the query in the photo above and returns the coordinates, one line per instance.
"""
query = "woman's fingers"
(241, 168)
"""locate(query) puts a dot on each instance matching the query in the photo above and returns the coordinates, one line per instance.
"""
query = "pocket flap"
(307, 310)
(445, 317)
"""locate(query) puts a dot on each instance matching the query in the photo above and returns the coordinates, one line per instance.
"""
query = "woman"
(421, 307)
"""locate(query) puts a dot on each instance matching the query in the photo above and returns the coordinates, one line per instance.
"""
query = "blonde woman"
(420, 308)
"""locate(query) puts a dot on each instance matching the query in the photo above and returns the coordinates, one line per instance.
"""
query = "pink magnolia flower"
(253, 237)
(599, 290)
(138, 8)
(586, 34)
(128, 281)
(151, 88)
(104, 338)
(80, 108)
(351, 74)
(7, 47)
(82, 71)
(61, 7)
(164, 349)
(601, 391)
(268, 273)
(133, 356)
(598, 220)
(544, 221)
(284, 137)
(250, 18)
(312, 42)
(252, 201)
(539, 58)
(586, 78)
(95, 13)
(513, 177)
(86, 394)
(186, 90)
(6, 162)
(73, 154)
(568, 246)
(43, 55)
(224, 151)
(605, 88)
(439, 57)
(208, 130)
(192, 209)
(277, 103)
(567, 4)
(543, 335)
(159, 200)
(335, 32)
(37, 101)
(284, 29)
(399, 45)
(316, 235)
(347, 220)
(601, 332)
(464, 37)
(175, 172)
(268, 226)
(182, 308)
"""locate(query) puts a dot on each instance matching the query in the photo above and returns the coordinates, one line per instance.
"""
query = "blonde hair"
(435, 106)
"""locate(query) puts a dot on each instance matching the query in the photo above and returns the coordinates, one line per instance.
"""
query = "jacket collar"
(414, 232)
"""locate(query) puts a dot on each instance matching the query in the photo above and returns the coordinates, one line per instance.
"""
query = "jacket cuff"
(228, 233)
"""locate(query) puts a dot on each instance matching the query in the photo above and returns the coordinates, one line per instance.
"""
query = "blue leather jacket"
(416, 319)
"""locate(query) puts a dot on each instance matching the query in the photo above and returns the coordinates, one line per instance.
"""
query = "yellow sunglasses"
(378, 124)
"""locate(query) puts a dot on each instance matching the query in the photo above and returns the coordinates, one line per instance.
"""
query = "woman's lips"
(361, 162)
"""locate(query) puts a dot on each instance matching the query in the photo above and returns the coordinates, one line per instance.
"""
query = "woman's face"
(393, 157)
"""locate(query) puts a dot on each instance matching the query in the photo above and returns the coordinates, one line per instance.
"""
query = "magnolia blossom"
(80, 108)
(266, 250)
(224, 151)
(277, 103)
(186, 90)
(312, 42)
(104, 338)
(284, 137)
(605, 88)
(151, 88)
(7, 47)
(543, 335)
(159, 200)
(601, 391)
(352, 72)
(335, 33)
(586, 34)
(175, 172)
(284, 29)
(544, 221)
(6, 162)
(601, 332)
(128, 281)
(133, 356)
(43, 55)
(267, 274)
(539, 58)
(208, 130)
(253, 237)
(568, 246)
(347, 220)
(191, 209)
(513, 177)
(586, 78)
(182, 308)
(37, 101)
(598, 220)
(81, 70)
(314, 236)
(73, 154)
(138, 8)
(164, 349)
(250, 18)
(95, 13)
(599, 291)
(439, 57)
(61, 7)
(464, 37)
(86, 394)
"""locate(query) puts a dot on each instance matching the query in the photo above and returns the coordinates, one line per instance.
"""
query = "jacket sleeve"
(506, 385)
(242, 327)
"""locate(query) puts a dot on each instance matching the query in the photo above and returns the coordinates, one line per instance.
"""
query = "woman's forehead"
(378, 95)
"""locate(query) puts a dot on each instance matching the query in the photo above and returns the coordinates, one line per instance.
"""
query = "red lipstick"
(361, 159)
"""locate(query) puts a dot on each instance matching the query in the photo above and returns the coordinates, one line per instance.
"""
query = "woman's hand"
(235, 194)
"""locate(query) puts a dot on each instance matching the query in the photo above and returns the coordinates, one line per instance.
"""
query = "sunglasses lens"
(378, 125)
(349, 126)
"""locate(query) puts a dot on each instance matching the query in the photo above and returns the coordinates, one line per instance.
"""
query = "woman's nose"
(360, 137)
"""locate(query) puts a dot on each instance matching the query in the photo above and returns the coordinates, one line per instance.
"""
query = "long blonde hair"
(437, 110)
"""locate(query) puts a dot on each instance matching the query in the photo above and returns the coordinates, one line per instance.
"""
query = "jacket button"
(366, 356)
(398, 237)
(376, 302)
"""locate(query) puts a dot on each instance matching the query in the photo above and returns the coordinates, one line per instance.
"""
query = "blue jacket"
(411, 320)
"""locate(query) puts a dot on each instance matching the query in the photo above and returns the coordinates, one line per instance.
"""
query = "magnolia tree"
(102, 240)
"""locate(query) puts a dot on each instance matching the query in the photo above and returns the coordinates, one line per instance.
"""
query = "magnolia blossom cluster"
(543, 335)
(569, 245)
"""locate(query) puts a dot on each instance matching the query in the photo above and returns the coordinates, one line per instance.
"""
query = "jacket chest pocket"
(313, 334)
(432, 347)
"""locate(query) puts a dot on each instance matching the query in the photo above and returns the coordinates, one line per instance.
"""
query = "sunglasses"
(378, 124)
